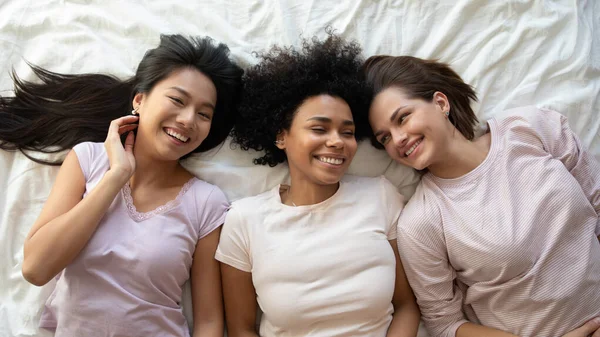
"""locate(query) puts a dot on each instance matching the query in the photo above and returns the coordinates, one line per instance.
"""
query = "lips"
(413, 147)
(174, 134)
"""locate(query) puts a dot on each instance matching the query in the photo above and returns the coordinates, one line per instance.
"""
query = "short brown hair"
(420, 78)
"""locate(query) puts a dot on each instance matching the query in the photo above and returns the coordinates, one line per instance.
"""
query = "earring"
(134, 111)
(447, 113)
(277, 142)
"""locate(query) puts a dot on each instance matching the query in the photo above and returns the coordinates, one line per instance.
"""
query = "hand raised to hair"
(121, 159)
(590, 329)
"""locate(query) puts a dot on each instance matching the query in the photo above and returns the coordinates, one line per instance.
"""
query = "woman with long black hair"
(125, 224)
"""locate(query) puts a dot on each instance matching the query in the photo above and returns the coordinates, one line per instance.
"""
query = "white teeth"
(334, 161)
(177, 135)
(412, 148)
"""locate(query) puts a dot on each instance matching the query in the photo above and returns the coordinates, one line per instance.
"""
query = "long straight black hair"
(64, 110)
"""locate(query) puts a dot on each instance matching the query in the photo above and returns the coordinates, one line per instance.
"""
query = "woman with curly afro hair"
(318, 256)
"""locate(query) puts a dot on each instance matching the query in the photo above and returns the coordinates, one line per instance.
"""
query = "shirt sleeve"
(234, 248)
(85, 156)
(213, 212)
(431, 277)
(563, 144)
(394, 203)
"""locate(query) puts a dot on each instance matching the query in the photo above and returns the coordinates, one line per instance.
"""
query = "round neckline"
(277, 197)
(169, 205)
(480, 169)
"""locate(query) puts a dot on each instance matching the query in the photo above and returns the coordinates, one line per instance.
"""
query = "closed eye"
(205, 115)
(176, 100)
(403, 117)
(318, 130)
(384, 139)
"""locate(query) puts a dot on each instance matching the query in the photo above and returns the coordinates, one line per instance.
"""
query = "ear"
(440, 100)
(280, 139)
(137, 101)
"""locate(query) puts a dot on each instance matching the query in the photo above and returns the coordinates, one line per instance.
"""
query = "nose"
(399, 137)
(186, 118)
(334, 140)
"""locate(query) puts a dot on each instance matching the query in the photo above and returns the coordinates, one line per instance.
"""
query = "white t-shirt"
(318, 270)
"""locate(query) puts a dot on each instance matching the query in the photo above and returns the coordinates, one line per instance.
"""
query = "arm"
(432, 278)
(236, 273)
(207, 299)
(476, 330)
(240, 302)
(405, 321)
(429, 272)
(563, 144)
(66, 222)
(590, 329)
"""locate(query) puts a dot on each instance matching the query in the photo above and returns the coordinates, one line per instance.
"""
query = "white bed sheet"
(514, 52)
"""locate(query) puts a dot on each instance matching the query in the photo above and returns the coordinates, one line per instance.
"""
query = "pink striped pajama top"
(512, 244)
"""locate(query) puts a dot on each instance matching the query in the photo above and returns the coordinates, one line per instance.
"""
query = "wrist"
(117, 177)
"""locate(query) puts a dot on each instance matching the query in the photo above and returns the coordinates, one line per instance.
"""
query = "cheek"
(416, 125)
(299, 151)
(205, 126)
(202, 130)
(352, 146)
(309, 142)
(391, 150)
(144, 122)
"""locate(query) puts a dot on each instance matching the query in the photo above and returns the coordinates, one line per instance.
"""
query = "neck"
(462, 156)
(303, 192)
(149, 171)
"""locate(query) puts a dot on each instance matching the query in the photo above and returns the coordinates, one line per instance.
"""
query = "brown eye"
(383, 140)
(403, 117)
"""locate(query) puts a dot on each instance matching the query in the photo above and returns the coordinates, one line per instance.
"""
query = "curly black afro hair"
(284, 78)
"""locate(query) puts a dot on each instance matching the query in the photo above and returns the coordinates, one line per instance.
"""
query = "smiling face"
(320, 143)
(414, 132)
(176, 115)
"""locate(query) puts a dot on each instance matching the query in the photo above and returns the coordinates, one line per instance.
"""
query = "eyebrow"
(182, 91)
(328, 120)
(392, 118)
(187, 94)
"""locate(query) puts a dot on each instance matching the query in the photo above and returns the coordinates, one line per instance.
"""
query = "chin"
(328, 179)
(419, 163)
(170, 156)
(416, 166)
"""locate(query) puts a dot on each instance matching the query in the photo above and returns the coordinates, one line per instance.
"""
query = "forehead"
(328, 106)
(385, 103)
(390, 98)
(192, 81)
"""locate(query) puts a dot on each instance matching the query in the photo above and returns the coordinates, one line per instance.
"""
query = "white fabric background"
(515, 52)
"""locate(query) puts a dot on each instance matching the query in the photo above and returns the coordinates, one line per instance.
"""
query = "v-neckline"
(141, 216)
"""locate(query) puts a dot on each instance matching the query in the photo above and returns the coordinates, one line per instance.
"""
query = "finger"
(597, 333)
(590, 327)
(113, 128)
(124, 120)
(124, 125)
(128, 118)
(125, 128)
(129, 141)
